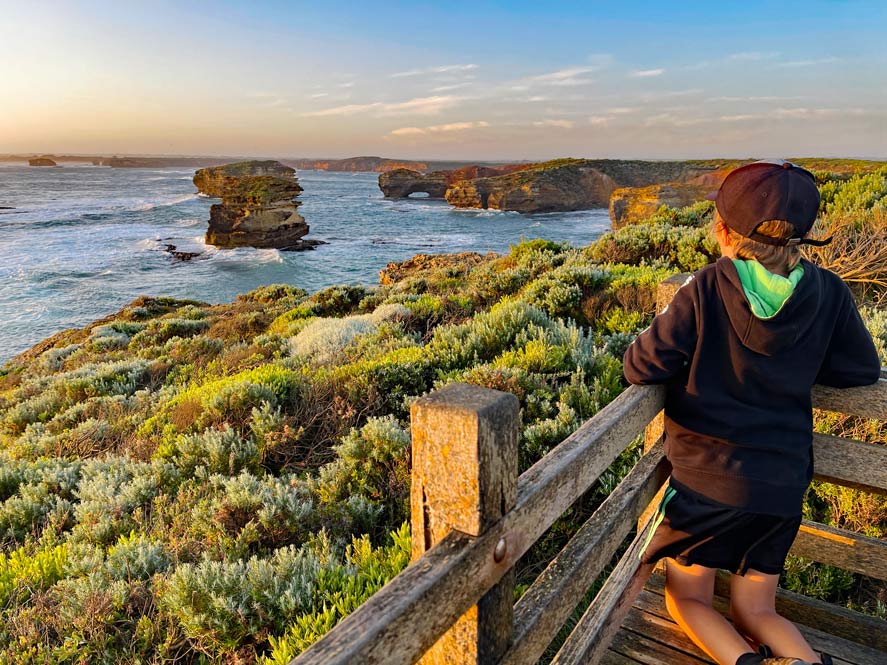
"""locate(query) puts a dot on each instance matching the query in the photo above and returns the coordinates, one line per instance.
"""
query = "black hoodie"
(738, 415)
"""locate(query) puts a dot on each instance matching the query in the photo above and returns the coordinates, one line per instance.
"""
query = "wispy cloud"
(550, 122)
(453, 86)
(419, 106)
(443, 69)
(349, 84)
(318, 95)
(647, 73)
(437, 129)
(754, 55)
(599, 120)
(808, 63)
(755, 98)
(622, 110)
(570, 76)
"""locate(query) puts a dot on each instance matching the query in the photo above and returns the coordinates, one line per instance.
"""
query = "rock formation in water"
(629, 205)
(400, 183)
(568, 184)
(41, 161)
(258, 207)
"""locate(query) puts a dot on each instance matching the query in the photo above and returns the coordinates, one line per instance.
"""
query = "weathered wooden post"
(464, 446)
(654, 431)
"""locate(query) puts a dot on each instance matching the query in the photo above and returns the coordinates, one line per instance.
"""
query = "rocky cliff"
(258, 207)
(400, 183)
(41, 161)
(568, 184)
(370, 164)
(629, 205)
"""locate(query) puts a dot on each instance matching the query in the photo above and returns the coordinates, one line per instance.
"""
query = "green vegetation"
(189, 483)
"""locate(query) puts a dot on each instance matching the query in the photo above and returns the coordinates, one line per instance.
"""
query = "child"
(739, 348)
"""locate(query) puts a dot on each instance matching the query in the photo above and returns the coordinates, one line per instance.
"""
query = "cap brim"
(711, 196)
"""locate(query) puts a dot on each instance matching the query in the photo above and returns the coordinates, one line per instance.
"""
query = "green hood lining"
(766, 292)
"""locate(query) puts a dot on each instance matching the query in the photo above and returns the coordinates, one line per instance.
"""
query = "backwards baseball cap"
(769, 190)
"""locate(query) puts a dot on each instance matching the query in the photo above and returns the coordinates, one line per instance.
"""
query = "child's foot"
(785, 661)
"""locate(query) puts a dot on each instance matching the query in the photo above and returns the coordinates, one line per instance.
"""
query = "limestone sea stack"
(41, 161)
(400, 183)
(258, 207)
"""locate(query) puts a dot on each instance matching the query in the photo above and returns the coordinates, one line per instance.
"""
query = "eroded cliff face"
(258, 207)
(629, 205)
(377, 164)
(568, 184)
(400, 183)
(562, 187)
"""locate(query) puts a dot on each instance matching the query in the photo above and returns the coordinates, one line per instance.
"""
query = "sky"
(445, 80)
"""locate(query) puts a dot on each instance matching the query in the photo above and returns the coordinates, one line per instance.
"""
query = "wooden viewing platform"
(473, 518)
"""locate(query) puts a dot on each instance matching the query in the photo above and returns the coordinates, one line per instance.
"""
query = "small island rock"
(258, 207)
(41, 161)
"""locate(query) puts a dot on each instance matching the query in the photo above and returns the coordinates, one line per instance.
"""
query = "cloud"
(646, 73)
(437, 129)
(548, 122)
(759, 98)
(754, 55)
(443, 69)
(740, 117)
(447, 88)
(599, 120)
(807, 63)
(622, 110)
(350, 84)
(419, 105)
(318, 95)
(562, 77)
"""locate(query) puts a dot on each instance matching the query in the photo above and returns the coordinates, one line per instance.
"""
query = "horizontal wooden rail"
(864, 401)
(546, 605)
(403, 619)
(594, 631)
(851, 463)
(845, 549)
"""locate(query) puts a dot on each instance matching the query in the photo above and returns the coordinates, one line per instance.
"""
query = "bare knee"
(676, 599)
(747, 619)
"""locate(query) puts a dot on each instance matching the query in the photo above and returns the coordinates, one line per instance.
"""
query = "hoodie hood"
(766, 291)
(789, 311)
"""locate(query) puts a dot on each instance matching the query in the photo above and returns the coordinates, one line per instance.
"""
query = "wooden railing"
(473, 518)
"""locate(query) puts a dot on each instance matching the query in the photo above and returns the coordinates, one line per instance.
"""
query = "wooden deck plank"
(651, 652)
(650, 619)
(838, 621)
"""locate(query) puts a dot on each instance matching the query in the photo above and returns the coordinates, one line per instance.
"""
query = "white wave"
(162, 204)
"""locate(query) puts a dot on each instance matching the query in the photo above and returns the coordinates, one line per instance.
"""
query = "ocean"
(83, 241)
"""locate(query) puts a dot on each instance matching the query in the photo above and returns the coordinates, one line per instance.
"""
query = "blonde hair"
(775, 258)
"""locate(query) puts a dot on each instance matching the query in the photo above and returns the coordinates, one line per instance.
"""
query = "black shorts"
(692, 529)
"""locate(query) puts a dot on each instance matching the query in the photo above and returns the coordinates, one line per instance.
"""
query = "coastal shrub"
(52, 359)
(159, 331)
(27, 570)
(279, 295)
(857, 194)
(324, 338)
(700, 213)
(337, 300)
(222, 451)
(371, 462)
(135, 556)
(687, 248)
(341, 588)
(113, 493)
(484, 336)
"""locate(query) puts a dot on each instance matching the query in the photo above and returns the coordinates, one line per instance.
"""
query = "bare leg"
(753, 608)
(688, 596)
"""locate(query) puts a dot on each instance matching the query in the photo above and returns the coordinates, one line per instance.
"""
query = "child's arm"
(851, 358)
(664, 349)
